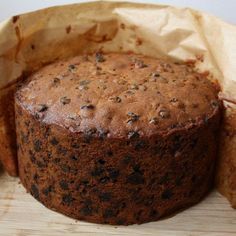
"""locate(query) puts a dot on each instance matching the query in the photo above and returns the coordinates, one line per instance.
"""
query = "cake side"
(115, 181)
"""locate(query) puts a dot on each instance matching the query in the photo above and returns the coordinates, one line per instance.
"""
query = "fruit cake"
(117, 138)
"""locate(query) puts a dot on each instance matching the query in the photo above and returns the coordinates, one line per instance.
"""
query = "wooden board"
(22, 215)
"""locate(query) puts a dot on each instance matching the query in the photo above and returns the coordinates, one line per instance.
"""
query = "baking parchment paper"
(32, 40)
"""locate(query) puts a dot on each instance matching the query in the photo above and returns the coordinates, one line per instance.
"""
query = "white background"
(225, 9)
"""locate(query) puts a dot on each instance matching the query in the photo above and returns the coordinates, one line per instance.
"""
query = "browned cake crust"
(117, 138)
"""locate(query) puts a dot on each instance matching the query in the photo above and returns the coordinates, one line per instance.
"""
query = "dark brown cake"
(117, 138)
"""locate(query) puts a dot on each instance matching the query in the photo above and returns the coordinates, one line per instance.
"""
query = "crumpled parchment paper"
(31, 40)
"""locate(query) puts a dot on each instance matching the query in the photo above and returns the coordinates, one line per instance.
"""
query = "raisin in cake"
(117, 138)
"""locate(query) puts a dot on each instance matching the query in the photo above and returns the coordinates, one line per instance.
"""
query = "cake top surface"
(118, 94)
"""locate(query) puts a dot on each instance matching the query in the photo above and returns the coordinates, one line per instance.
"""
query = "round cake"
(117, 138)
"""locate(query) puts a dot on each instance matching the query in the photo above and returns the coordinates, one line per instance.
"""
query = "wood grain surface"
(22, 215)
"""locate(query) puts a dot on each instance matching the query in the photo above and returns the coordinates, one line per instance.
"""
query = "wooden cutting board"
(22, 215)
